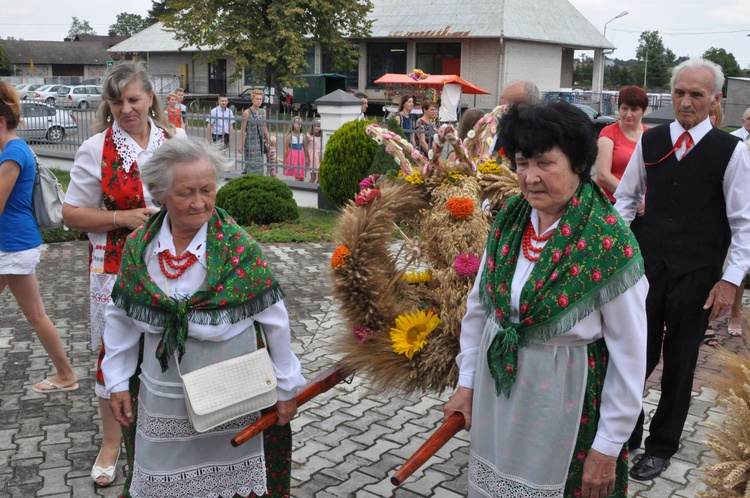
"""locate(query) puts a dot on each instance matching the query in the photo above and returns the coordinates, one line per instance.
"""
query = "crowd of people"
(618, 253)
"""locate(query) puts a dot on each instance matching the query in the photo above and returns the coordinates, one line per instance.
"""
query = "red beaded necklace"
(174, 263)
(529, 234)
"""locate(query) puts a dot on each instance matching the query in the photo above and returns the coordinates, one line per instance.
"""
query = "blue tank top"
(18, 228)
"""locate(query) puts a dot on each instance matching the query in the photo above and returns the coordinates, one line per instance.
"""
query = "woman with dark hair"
(553, 343)
(405, 119)
(20, 242)
(617, 141)
(426, 125)
(107, 200)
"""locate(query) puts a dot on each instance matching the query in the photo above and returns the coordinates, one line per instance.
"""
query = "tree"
(725, 59)
(583, 72)
(270, 38)
(6, 68)
(80, 28)
(128, 24)
(159, 8)
(657, 59)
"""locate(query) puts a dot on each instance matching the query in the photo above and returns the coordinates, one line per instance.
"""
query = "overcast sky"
(688, 27)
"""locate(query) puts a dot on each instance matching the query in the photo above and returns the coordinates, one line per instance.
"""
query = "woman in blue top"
(405, 119)
(20, 241)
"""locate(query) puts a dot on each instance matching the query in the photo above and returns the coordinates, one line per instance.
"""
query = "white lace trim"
(210, 480)
(128, 150)
(154, 427)
(488, 481)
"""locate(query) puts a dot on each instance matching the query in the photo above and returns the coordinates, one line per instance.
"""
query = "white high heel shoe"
(109, 472)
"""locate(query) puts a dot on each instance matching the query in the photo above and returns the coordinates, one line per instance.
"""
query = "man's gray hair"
(533, 95)
(158, 173)
(700, 64)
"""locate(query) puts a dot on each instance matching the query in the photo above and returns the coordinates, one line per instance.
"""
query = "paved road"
(347, 443)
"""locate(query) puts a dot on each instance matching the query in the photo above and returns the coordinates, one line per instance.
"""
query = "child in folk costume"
(272, 156)
(314, 150)
(294, 157)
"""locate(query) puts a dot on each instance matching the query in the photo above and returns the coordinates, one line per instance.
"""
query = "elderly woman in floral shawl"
(552, 360)
(193, 283)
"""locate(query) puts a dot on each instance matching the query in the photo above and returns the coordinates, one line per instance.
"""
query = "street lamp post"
(604, 56)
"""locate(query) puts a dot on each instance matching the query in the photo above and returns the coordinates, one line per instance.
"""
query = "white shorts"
(20, 262)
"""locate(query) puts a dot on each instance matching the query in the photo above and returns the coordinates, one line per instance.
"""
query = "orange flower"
(460, 207)
(339, 257)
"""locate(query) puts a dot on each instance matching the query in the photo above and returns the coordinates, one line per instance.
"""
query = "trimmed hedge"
(383, 162)
(257, 199)
(346, 161)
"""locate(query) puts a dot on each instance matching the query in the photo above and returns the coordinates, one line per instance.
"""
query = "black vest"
(685, 225)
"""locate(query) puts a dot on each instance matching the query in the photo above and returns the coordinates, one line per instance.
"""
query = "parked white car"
(81, 96)
(46, 94)
(43, 122)
(24, 89)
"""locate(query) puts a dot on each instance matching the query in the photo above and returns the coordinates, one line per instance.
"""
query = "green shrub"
(257, 199)
(50, 235)
(383, 162)
(346, 161)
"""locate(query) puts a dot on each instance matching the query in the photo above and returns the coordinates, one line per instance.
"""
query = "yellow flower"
(489, 168)
(418, 277)
(411, 331)
(415, 178)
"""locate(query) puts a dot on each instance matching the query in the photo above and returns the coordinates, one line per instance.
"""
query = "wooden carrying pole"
(319, 385)
(441, 436)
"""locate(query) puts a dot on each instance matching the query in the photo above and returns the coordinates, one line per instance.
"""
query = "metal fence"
(606, 102)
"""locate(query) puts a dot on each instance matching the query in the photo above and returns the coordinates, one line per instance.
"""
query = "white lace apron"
(523, 445)
(172, 460)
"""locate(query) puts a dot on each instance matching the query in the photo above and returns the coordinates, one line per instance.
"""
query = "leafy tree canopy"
(80, 28)
(5, 65)
(159, 8)
(270, 38)
(657, 59)
(725, 59)
(128, 24)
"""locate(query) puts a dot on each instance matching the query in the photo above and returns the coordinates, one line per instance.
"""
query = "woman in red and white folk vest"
(106, 199)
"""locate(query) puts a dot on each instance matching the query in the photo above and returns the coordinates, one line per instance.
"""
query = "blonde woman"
(254, 135)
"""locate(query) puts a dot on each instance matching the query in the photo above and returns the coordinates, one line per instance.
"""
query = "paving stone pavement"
(347, 442)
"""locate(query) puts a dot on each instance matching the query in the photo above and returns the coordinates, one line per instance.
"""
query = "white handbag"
(47, 197)
(224, 391)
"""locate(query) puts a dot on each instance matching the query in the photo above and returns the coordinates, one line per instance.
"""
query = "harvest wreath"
(410, 248)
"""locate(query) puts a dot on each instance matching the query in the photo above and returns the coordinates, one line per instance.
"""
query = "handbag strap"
(258, 331)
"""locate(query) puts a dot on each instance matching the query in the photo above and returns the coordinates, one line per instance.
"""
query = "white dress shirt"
(122, 333)
(221, 120)
(735, 185)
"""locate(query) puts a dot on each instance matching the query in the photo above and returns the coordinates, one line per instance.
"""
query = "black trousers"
(221, 138)
(676, 325)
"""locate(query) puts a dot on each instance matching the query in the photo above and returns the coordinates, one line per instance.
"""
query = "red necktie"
(688, 145)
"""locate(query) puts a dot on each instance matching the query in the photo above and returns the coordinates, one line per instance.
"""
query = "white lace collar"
(128, 149)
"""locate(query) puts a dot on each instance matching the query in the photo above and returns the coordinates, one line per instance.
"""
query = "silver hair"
(158, 173)
(533, 95)
(112, 87)
(714, 68)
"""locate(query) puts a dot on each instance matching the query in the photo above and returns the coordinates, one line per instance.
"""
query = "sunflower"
(411, 330)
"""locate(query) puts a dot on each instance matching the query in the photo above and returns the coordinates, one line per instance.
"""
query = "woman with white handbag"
(20, 240)
(193, 283)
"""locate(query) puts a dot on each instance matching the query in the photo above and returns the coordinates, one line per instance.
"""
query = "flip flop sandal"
(54, 388)
(710, 340)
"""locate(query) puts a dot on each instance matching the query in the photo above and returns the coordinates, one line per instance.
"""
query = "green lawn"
(314, 225)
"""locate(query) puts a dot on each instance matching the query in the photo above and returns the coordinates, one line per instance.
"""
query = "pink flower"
(556, 256)
(497, 233)
(491, 264)
(628, 251)
(240, 249)
(528, 321)
(366, 196)
(581, 244)
(607, 243)
(567, 251)
(362, 333)
(592, 363)
(575, 201)
(366, 183)
(596, 275)
(236, 260)
(562, 300)
(466, 265)
(217, 224)
(240, 273)
(539, 285)
(499, 314)
(581, 455)
(505, 250)
(219, 235)
(574, 270)
(219, 287)
(503, 288)
(566, 230)
(611, 219)
(584, 419)
(524, 308)
(553, 276)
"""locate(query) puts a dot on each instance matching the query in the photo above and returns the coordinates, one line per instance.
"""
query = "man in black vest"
(694, 177)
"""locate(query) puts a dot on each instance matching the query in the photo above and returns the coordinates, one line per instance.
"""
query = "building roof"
(52, 52)
(548, 21)
(155, 38)
(105, 41)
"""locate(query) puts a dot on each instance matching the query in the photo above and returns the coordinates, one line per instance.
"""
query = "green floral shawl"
(591, 258)
(238, 283)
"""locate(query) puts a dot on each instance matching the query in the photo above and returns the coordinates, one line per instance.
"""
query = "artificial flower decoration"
(340, 254)
(415, 178)
(466, 265)
(411, 331)
(418, 277)
(489, 168)
(418, 74)
(454, 177)
(460, 207)
(366, 196)
(362, 333)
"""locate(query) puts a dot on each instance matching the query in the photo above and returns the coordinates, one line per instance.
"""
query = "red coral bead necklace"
(531, 252)
(179, 264)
